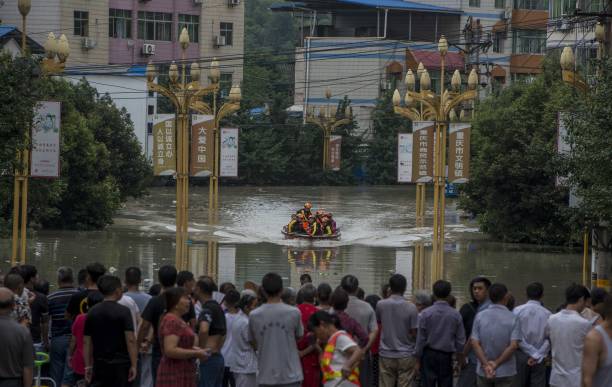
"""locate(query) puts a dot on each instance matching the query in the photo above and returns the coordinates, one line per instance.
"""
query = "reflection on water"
(379, 238)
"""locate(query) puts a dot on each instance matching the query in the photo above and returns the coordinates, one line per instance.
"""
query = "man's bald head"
(7, 301)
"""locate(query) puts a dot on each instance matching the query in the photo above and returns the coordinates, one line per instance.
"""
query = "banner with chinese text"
(422, 151)
(164, 145)
(202, 141)
(45, 156)
(335, 147)
(459, 153)
(404, 157)
(229, 152)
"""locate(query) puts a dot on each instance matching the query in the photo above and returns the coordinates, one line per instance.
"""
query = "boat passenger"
(306, 211)
(296, 223)
(326, 227)
(313, 226)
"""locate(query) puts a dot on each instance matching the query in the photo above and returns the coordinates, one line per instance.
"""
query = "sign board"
(227, 264)
(334, 157)
(45, 156)
(404, 158)
(229, 153)
(422, 151)
(459, 152)
(164, 145)
(202, 145)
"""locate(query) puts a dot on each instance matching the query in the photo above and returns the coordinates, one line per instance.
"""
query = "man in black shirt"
(109, 345)
(78, 302)
(211, 333)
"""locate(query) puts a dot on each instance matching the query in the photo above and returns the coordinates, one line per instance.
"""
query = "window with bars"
(563, 8)
(498, 42)
(474, 3)
(227, 30)
(500, 4)
(120, 23)
(192, 22)
(531, 4)
(528, 42)
(225, 84)
(81, 23)
(154, 26)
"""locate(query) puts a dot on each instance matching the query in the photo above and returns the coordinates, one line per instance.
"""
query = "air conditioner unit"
(233, 3)
(88, 43)
(508, 13)
(564, 25)
(148, 49)
(219, 41)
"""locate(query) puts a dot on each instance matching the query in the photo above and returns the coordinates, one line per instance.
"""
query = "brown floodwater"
(378, 238)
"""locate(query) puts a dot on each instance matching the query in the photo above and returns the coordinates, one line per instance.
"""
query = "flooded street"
(378, 238)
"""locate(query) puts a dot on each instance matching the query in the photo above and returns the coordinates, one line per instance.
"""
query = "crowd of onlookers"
(187, 331)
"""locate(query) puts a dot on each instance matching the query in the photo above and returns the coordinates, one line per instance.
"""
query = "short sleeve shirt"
(214, 316)
(17, 348)
(106, 324)
(153, 313)
(363, 313)
(78, 303)
(397, 317)
(343, 342)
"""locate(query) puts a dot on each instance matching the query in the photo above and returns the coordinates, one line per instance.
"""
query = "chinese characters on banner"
(202, 141)
(459, 153)
(164, 145)
(422, 151)
(229, 153)
(335, 146)
(404, 157)
(45, 156)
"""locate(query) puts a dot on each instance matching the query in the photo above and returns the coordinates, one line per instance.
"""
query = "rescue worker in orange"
(326, 226)
(306, 211)
(296, 224)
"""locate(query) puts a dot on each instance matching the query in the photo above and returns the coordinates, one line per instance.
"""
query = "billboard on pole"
(45, 155)
(202, 141)
(229, 153)
(404, 157)
(164, 145)
(422, 151)
(459, 152)
(334, 157)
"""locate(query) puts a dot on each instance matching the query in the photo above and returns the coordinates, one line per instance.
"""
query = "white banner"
(45, 158)
(229, 152)
(404, 157)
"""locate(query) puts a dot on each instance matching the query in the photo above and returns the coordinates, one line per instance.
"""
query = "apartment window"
(151, 94)
(225, 84)
(192, 22)
(528, 42)
(150, 109)
(149, 128)
(500, 4)
(81, 23)
(120, 23)
(532, 4)
(563, 8)
(474, 3)
(154, 26)
(498, 42)
(227, 30)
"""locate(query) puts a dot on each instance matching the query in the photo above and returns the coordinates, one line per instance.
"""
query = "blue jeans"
(59, 368)
(211, 371)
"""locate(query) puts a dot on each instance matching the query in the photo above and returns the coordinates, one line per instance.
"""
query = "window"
(227, 30)
(500, 4)
(149, 128)
(225, 84)
(154, 26)
(474, 3)
(563, 7)
(81, 23)
(151, 94)
(120, 23)
(192, 22)
(532, 4)
(528, 42)
(150, 109)
(498, 42)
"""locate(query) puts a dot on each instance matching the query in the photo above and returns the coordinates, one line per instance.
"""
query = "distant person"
(77, 361)
(373, 300)
(232, 298)
(340, 300)
(186, 279)
(109, 345)
(385, 291)
(440, 336)
(274, 328)
(212, 329)
(495, 338)
(132, 279)
(324, 292)
(177, 367)
(398, 319)
(597, 360)
(39, 307)
(60, 325)
(81, 279)
(341, 354)
(78, 301)
(155, 290)
(309, 355)
(479, 291)
(305, 279)
(288, 296)
(244, 365)
(422, 300)
(534, 346)
(17, 354)
(598, 296)
(21, 311)
(567, 330)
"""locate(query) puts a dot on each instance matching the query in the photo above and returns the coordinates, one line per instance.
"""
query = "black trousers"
(110, 375)
(437, 368)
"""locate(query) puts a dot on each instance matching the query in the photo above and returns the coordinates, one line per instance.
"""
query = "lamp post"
(438, 107)
(56, 54)
(327, 120)
(185, 96)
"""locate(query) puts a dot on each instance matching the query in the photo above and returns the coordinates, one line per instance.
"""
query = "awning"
(377, 4)
(498, 72)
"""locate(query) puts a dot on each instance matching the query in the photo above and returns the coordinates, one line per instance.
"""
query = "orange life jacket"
(326, 359)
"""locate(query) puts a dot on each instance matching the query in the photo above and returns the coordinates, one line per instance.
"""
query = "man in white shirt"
(534, 345)
(567, 330)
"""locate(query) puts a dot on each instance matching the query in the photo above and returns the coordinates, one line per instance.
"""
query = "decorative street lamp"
(438, 107)
(56, 54)
(185, 95)
(327, 119)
